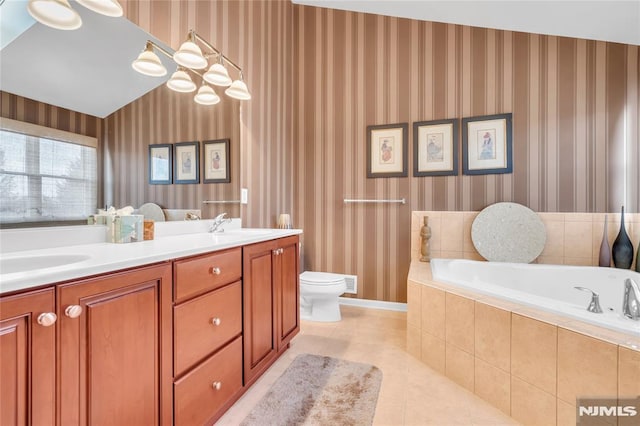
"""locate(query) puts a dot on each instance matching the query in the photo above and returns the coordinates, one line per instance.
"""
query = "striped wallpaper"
(572, 103)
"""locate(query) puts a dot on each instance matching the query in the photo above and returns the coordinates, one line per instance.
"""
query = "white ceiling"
(87, 70)
(612, 20)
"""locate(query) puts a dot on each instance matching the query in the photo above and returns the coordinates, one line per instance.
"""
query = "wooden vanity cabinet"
(28, 358)
(271, 301)
(115, 349)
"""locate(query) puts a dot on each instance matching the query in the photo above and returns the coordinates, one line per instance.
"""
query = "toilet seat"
(321, 278)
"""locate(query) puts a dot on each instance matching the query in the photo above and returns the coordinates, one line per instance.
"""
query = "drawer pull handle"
(216, 270)
(47, 319)
(73, 311)
(215, 321)
(217, 385)
(278, 252)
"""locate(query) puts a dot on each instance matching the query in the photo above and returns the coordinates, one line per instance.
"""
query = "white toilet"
(319, 293)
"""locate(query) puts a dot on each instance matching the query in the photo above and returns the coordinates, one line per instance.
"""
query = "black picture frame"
(383, 141)
(216, 162)
(442, 159)
(160, 164)
(487, 146)
(186, 162)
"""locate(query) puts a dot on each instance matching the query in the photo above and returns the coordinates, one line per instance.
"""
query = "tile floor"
(411, 392)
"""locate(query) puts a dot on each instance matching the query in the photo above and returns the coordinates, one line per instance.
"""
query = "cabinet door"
(27, 359)
(287, 290)
(259, 326)
(115, 356)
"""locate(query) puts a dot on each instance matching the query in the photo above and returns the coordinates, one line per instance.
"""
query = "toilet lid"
(321, 278)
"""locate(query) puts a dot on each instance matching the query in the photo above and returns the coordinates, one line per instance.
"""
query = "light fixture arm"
(216, 51)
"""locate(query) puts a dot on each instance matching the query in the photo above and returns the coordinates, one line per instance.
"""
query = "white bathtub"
(546, 287)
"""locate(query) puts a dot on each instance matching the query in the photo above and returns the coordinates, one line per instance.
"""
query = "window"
(46, 175)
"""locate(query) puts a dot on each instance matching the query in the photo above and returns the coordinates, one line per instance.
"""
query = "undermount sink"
(28, 263)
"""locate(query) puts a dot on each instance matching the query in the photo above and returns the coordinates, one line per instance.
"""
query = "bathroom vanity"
(176, 340)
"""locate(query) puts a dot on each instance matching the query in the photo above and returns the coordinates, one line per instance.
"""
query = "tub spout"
(594, 305)
(631, 300)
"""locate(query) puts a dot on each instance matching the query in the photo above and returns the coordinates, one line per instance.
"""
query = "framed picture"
(216, 164)
(435, 148)
(186, 160)
(387, 150)
(160, 164)
(486, 145)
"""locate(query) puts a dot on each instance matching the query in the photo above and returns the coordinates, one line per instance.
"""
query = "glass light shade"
(189, 55)
(238, 90)
(56, 14)
(149, 64)
(103, 7)
(181, 82)
(217, 75)
(206, 96)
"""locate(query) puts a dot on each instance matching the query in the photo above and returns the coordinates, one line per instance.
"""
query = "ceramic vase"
(622, 250)
(638, 258)
(605, 249)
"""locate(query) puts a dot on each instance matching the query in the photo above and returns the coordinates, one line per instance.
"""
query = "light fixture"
(104, 7)
(190, 59)
(238, 90)
(189, 55)
(148, 63)
(56, 14)
(218, 75)
(206, 96)
(180, 81)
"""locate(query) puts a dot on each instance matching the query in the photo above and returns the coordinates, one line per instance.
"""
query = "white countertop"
(107, 257)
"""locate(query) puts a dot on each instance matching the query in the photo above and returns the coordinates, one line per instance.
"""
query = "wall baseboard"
(374, 304)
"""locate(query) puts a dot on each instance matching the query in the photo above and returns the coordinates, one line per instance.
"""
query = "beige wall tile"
(628, 372)
(554, 245)
(452, 254)
(578, 217)
(452, 232)
(433, 352)
(579, 261)
(533, 352)
(433, 311)
(493, 385)
(459, 367)
(414, 340)
(566, 413)
(578, 239)
(550, 260)
(493, 335)
(472, 256)
(587, 367)
(435, 243)
(552, 217)
(459, 322)
(467, 221)
(530, 405)
(414, 303)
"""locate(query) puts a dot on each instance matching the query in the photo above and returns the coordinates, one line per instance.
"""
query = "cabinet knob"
(47, 319)
(217, 385)
(215, 321)
(73, 311)
(216, 270)
(278, 251)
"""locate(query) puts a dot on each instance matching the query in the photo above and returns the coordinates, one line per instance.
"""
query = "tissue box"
(126, 229)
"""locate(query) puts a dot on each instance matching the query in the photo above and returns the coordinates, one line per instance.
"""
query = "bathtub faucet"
(631, 300)
(594, 305)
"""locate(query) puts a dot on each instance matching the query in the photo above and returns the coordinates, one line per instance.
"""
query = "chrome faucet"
(218, 221)
(594, 305)
(631, 300)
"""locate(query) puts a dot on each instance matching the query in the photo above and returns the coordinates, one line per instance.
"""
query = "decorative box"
(126, 229)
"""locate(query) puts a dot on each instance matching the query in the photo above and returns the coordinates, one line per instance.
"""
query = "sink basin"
(28, 263)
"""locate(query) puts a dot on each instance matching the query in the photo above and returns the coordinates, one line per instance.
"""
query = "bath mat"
(320, 390)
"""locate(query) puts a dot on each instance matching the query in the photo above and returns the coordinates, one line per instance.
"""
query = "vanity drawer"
(202, 392)
(199, 274)
(204, 324)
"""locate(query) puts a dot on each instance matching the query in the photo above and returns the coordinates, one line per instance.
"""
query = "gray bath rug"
(320, 390)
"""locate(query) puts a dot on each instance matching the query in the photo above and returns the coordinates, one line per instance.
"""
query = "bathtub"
(546, 287)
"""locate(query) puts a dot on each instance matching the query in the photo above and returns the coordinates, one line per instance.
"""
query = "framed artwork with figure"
(387, 150)
(160, 164)
(216, 162)
(487, 145)
(186, 162)
(435, 148)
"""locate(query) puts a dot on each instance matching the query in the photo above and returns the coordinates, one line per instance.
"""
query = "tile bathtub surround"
(527, 363)
(572, 238)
